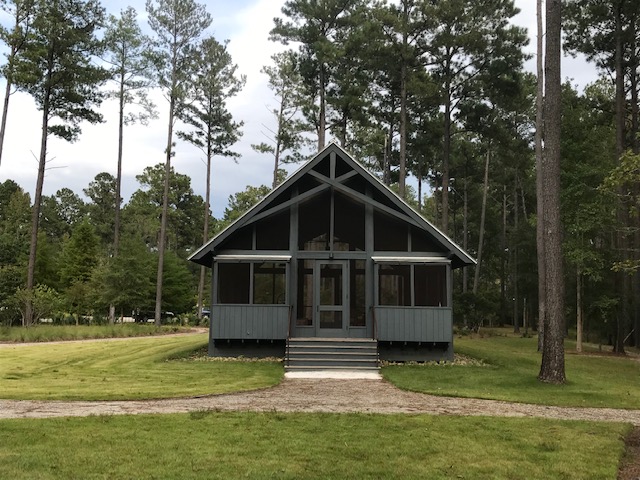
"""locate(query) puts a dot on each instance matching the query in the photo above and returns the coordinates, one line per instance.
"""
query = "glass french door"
(331, 298)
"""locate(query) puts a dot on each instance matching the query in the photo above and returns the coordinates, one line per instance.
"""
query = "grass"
(510, 373)
(130, 369)
(206, 445)
(49, 333)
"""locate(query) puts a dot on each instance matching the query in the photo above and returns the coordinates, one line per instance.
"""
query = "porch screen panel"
(269, 283)
(305, 293)
(349, 224)
(390, 235)
(357, 307)
(233, 283)
(430, 285)
(394, 285)
(272, 233)
(314, 223)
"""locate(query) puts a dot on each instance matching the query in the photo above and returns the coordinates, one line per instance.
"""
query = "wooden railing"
(414, 324)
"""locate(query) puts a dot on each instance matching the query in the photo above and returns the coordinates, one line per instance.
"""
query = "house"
(332, 253)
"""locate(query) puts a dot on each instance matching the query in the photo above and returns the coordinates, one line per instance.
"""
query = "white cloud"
(246, 23)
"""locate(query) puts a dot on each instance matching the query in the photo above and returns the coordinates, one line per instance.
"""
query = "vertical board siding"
(263, 322)
(411, 324)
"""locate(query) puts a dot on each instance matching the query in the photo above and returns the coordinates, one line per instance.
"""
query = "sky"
(246, 24)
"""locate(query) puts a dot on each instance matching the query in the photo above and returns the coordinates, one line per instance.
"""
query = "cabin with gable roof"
(332, 258)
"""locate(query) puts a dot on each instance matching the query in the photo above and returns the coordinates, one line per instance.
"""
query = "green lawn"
(128, 369)
(510, 374)
(49, 333)
(205, 445)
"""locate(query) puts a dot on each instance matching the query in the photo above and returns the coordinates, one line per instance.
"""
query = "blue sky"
(246, 24)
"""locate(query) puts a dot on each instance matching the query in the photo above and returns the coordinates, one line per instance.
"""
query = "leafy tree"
(240, 202)
(184, 212)
(130, 67)
(467, 38)
(56, 69)
(214, 83)
(61, 212)
(316, 26)
(178, 25)
(21, 12)
(102, 193)
(126, 281)
(36, 303)
(179, 285)
(286, 83)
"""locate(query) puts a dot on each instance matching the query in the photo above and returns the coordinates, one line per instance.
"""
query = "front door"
(331, 298)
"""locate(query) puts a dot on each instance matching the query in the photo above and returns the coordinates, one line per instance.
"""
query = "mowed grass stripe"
(205, 445)
(511, 370)
(132, 369)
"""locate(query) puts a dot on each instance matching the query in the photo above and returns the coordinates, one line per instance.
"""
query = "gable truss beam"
(363, 198)
(299, 198)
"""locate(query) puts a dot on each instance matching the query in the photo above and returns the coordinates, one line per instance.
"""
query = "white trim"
(257, 257)
(404, 259)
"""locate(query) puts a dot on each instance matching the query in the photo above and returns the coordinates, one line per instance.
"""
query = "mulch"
(630, 465)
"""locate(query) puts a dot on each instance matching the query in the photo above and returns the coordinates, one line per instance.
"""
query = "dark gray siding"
(264, 322)
(414, 324)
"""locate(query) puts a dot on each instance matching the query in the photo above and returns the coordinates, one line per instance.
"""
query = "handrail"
(375, 323)
(286, 353)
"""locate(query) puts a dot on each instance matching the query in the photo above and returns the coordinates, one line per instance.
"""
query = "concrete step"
(323, 353)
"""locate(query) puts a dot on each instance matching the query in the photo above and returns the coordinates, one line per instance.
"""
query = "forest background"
(440, 93)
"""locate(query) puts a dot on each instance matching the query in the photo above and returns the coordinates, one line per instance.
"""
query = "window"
(272, 233)
(269, 283)
(417, 285)
(349, 224)
(430, 285)
(390, 234)
(234, 282)
(305, 293)
(314, 223)
(394, 286)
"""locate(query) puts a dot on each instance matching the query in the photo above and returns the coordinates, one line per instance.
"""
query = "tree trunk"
(503, 259)
(322, 121)
(403, 107)
(35, 217)
(540, 182)
(552, 365)
(7, 91)
(579, 310)
(465, 234)
(446, 152)
(514, 246)
(205, 233)
(116, 223)
(165, 211)
(623, 218)
(476, 279)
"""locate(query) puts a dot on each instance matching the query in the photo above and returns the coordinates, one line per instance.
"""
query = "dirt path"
(325, 395)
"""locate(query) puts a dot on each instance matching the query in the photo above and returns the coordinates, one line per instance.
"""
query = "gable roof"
(400, 210)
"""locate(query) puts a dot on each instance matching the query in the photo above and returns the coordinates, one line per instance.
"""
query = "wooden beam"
(288, 203)
(364, 198)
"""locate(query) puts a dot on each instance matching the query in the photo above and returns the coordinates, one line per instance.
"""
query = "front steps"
(306, 354)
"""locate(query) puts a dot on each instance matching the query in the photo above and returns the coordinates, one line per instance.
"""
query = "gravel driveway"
(316, 395)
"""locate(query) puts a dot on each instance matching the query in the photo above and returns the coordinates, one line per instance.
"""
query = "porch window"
(305, 293)
(244, 283)
(395, 285)
(412, 285)
(234, 282)
(269, 283)
(430, 285)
